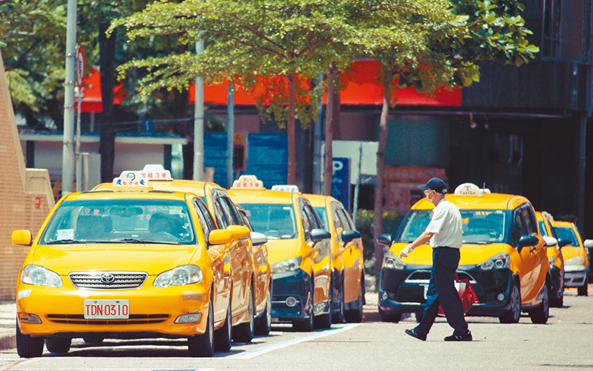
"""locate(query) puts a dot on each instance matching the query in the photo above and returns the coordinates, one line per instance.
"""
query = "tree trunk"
(329, 134)
(378, 219)
(291, 128)
(108, 129)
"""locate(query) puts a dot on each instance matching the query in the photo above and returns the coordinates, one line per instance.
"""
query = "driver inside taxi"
(161, 228)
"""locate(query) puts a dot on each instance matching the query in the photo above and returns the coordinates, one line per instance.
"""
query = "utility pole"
(199, 123)
(230, 130)
(68, 141)
(317, 139)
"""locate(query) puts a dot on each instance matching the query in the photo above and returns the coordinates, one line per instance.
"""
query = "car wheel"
(583, 290)
(28, 346)
(541, 314)
(355, 315)
(389, 317)
(244, 332)
(559, 301)
(306, 325)
(58, 345)
(339, 316)
(514, 313)
(93, 339)
(202, 345)
(325, 320)
(224, 335)
(264, 323)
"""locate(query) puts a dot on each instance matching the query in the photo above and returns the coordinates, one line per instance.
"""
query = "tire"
(58, 345)
(583, 290)
(514, 314)
(541, 314)
(306, 325)
(224, 335)
(355, 315)
(389, 317)
(202, 345)
(93, 339)
(243, 333)
(28, 346)
(339, 316)
(263, 325)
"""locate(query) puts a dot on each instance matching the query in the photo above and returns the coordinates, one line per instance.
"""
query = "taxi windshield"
(120, 221)
(479, 226)
(273, 220)
(323, 215)
(566, 233)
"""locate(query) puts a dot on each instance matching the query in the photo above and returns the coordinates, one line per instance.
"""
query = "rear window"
(479, 226)
(276, 221)
(564, 233)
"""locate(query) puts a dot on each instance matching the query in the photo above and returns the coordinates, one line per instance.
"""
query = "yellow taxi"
(348, 258)
(576, 263)
(251, 273)
(128, 263)
(503, 256)
(299, 251)
(555, 258)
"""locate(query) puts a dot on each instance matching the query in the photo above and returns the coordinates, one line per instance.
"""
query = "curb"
(7, 340)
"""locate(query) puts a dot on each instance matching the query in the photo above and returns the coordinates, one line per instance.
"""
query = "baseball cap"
(435, 184)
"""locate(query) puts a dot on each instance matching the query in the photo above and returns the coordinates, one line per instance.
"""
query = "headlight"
(39, 276)
(577, 260)
(391, 261)
(184, 275)
(552, 260)
(287, 265)
(500, 261)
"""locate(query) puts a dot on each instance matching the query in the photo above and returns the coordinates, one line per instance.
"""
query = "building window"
(551, 29)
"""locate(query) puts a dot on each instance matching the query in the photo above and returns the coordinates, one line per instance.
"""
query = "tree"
(272, 47)
(434, 45)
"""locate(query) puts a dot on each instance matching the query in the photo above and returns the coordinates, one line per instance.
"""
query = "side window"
(221, 219)
(337, 221)
(313, 217)
(517, 230)
(529, 220)
(245, 220)
(230, 211)
(206, 222)
(344, 219)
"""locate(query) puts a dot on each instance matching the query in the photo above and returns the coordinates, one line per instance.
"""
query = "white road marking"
(283, 344)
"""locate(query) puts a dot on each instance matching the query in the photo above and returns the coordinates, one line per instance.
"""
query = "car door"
(261, 269)
(221, 267)
(320, 254)
(527, 268)
(353, 259)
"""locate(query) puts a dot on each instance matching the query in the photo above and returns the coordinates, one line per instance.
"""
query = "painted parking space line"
(283, 344)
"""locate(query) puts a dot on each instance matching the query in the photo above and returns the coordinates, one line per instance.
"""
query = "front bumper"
(153, 311)
(295, 285)
(575, 275)
(402, 291)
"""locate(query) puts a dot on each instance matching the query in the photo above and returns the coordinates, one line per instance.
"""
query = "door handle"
(533, 248)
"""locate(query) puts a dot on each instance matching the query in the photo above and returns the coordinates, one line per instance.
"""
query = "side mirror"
(385, 239)
(220, 237)
(238, 231)
(550, 241)
(258, 239)
(588, 244)
(348, 236)
(528, 240)
(318, 235)
(563, 243)
(22, 237)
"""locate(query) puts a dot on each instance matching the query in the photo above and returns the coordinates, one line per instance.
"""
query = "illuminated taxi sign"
(156, 172)
(285, 188)
(131, 179)
(248, 181)
(469, 189)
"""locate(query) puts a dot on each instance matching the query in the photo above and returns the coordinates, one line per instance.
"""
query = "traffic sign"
(79, 66)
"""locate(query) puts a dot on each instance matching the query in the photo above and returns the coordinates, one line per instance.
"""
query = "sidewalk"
(7, 323)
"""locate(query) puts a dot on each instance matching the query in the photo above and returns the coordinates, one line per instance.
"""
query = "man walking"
(444, 232)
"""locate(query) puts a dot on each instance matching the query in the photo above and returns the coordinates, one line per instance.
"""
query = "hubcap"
(516, 305)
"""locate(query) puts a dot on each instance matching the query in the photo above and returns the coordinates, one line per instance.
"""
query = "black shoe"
(465, 337)
(416, 335)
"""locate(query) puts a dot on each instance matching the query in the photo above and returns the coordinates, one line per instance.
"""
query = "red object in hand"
(466, 294)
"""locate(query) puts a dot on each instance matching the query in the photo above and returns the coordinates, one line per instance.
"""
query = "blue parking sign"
(341, 180)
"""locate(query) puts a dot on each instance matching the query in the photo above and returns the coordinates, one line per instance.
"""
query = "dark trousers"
(441, 291)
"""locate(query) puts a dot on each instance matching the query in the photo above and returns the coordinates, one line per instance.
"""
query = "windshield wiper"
(65, 242)
(137, 240)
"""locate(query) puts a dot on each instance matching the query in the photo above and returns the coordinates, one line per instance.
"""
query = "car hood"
(470, 254)
(572, 251)
(280, 250)
(152, 259)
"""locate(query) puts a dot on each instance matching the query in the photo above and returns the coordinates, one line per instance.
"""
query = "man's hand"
(406, 251)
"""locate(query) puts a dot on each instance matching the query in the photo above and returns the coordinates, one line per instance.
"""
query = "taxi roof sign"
(248, 181)
(470, 189)
(156, 172)
(286, 188)
(131, 179)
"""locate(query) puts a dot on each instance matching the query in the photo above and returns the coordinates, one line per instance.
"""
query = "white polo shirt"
(446, 225)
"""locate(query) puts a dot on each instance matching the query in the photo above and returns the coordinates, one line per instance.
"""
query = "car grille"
(424, 277)
(135, 319)
(108, 280)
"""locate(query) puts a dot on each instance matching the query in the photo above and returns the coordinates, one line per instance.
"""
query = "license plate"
(106, 309)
